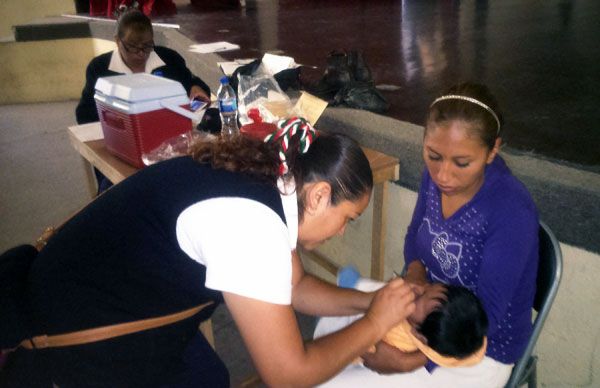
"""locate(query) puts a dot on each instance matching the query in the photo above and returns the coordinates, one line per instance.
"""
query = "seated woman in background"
(135, 53)
(474, 225)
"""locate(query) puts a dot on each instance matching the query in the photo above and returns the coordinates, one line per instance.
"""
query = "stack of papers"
(214, 47)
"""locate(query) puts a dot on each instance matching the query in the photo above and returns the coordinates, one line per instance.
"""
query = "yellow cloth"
(402, 338)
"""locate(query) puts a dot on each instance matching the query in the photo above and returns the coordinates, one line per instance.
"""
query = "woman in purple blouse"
(474, 225)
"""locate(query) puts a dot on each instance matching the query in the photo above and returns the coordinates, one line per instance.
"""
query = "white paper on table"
(276, 63)
(229, 67)
(214, 47)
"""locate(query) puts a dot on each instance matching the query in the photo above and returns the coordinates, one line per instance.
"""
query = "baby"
(449, 328)
(449, 324)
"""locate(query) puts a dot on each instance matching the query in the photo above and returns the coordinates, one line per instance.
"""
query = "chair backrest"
(548, 278)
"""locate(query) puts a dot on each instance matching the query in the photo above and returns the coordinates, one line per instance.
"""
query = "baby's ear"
(418, 335)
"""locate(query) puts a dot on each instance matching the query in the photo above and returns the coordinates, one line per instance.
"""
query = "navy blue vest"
(119, 259)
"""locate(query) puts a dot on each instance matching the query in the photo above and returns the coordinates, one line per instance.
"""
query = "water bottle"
(227, 108)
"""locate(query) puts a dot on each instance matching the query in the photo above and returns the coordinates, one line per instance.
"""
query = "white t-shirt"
(244, 244)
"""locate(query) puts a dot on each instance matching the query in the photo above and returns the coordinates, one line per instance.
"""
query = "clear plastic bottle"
(227, 108)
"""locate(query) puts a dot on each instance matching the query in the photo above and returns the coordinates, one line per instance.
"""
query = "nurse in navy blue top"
(474, 225)
(219, 225)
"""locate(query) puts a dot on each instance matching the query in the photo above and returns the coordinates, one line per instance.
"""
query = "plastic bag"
(362, 95)
(175, 146)
(261, 91)
(347, 81)
(287, 78)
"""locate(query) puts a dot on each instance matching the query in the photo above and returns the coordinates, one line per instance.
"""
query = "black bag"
(347, 81)
(15, 321)
(361, 95)
(211, 121)
(288, 78)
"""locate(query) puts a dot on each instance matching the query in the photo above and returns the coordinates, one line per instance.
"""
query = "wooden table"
(88, 140)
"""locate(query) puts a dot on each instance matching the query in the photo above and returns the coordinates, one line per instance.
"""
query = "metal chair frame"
(549, 275)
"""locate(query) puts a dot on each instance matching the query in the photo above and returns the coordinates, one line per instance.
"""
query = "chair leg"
(532, 381)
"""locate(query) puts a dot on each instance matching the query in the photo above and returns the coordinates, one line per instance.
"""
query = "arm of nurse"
(272, 336)
(316, 297)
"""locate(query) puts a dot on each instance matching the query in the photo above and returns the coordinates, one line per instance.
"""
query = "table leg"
(91, 178)
(380, 193)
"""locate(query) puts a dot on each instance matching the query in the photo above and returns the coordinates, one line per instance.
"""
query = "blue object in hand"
(347, 277)
(196, 104)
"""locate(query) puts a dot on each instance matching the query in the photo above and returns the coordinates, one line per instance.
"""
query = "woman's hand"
(392, 304)
(198, 93)
(387, 359)
(428, 300)
(416, 274)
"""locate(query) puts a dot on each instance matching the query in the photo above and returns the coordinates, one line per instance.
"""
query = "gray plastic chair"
(548, 279)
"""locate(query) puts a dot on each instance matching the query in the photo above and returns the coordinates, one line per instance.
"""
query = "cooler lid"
(138, 87)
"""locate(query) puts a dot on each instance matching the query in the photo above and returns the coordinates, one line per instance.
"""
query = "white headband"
(469, 99)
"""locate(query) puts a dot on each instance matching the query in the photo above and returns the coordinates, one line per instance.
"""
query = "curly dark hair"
(240, 153)
(332, 158)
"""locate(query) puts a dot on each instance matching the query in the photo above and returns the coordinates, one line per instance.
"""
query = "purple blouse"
(490, 245)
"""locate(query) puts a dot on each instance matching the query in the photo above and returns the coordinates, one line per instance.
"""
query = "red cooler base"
(128, 136)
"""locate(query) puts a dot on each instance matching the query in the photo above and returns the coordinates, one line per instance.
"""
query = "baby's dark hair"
(457, 328)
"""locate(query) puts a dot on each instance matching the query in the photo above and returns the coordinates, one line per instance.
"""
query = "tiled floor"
(539, 58)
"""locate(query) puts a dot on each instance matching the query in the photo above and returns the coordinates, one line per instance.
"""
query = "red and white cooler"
(138, 112)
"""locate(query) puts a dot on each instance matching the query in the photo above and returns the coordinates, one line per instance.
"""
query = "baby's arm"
(387, 359)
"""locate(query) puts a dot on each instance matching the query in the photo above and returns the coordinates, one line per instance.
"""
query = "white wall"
(46, 70)
(17, 12)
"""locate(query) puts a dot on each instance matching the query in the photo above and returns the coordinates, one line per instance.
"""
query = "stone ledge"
(52, 28)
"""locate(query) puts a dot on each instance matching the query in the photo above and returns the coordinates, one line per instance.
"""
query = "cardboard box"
(138, 112)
